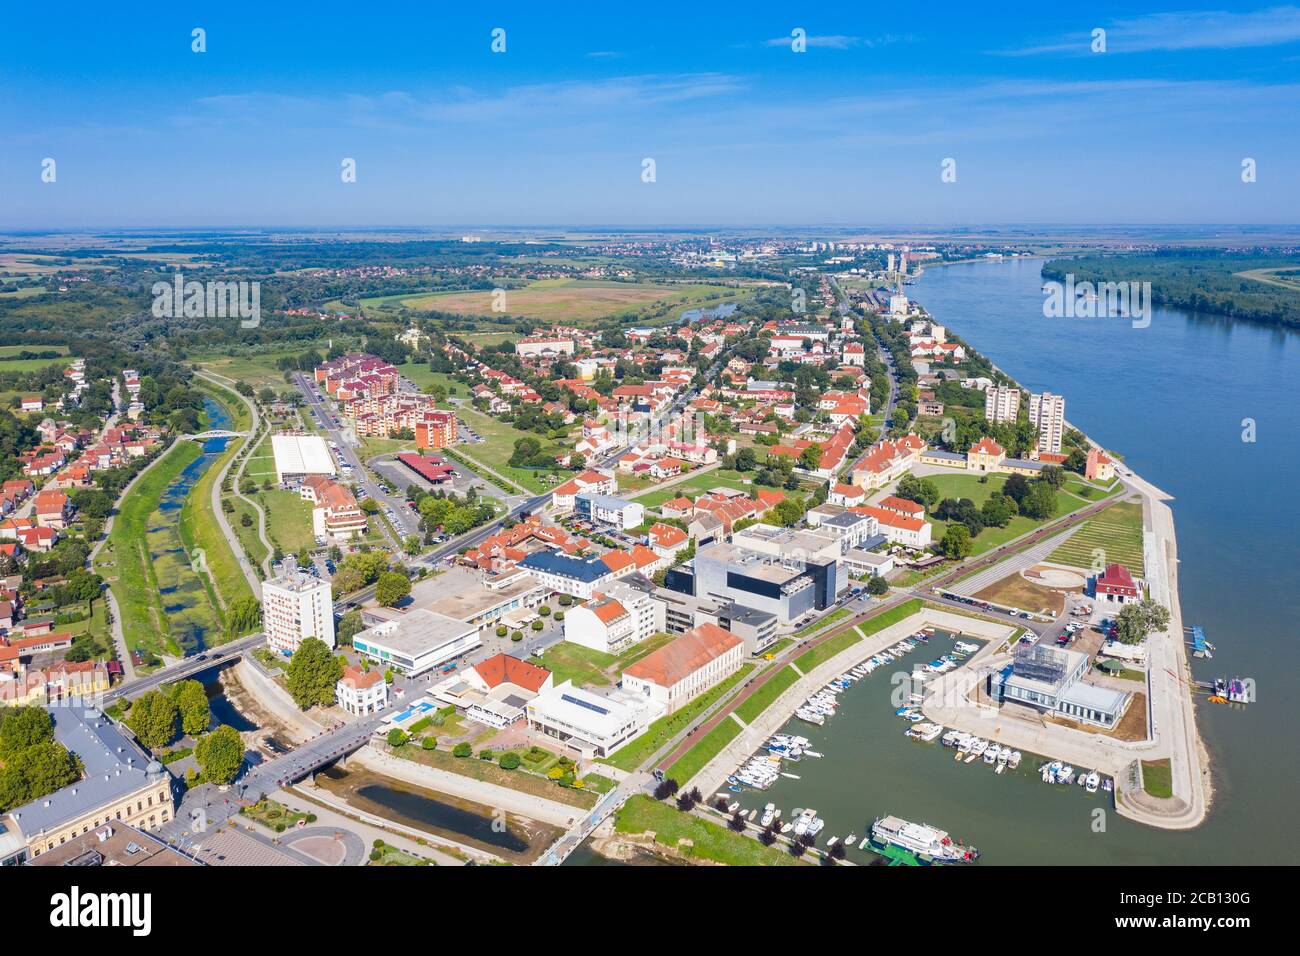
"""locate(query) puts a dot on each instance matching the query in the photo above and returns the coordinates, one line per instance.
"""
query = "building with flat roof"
(416, 641)
(608, 510)
(120, 783)
(590, 724)
(113, 844)
(1047, 415)
(295, 606)
(685, 667)
(785, 585)
(297, 456)
(1049, 679)
(481, 602)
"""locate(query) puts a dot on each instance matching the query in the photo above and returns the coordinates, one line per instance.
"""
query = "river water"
(1171, 398)
(190, 614)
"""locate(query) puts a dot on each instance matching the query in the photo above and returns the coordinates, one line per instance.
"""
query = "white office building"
(295, 606)
(1047, 414)
(416, 641)
(590, 724)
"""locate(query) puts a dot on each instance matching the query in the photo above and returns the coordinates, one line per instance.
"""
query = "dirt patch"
(1016, 591)
(1131, 727)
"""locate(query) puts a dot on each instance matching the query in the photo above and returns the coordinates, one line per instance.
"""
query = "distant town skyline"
(741, 129)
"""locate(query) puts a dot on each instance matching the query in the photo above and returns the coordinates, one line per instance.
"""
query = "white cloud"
(1193, 30)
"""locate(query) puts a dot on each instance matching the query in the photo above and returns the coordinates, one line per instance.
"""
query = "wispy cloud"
(835, 41)
(1193, 30)
(627, 94)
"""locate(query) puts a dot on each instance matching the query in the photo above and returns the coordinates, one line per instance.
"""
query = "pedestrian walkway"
(1013, 565)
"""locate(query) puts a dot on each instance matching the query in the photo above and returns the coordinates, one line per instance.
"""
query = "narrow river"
(190, 614)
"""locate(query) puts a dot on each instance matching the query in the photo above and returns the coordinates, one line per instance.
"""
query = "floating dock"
(1200, 646)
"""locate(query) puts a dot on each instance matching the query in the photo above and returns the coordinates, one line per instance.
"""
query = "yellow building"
(121, 783)
(985, 455)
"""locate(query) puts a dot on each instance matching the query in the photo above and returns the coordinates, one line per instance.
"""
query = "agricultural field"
(1116, 531)
(578, 300)
(9, 361)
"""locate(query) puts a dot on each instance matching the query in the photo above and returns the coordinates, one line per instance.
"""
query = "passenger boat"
(929, 732)
(930, 844)
(991, 754)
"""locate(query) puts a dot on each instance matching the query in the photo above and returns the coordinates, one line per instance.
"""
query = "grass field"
(10, 364)
(1114, 534)
(695, 486)
(489, 772)
(499, 444)
(1157, 778)
(969, 486)
(256, 370)
(125, 561)
(662, 730)
(710, 745)
(198, 525)
(762, 698)
(582, 665)
(840, 642)
(575, 300)
(706, 840)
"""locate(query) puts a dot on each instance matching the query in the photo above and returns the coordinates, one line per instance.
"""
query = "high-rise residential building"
(295, 606)
(1047, 413)
(1001, 403)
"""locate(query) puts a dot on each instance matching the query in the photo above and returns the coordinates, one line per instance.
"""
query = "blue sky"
(743, 130)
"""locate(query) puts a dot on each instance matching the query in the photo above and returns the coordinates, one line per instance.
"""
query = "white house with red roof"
(361, 692)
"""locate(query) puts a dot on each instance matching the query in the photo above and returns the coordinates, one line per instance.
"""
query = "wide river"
(1171, 398)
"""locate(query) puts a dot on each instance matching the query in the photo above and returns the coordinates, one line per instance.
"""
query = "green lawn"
(489, 772)
(1114, 534)
(762, 698)
(710, 745)
(840, 642)
(963, 485)
(695, 486)
(582, 665)
(1157, 778)
(706, 840)
(662, 730)
(499, 444)
(288, 517)
(125, 560)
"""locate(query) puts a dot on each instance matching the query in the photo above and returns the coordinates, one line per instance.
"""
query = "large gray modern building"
(783, 585)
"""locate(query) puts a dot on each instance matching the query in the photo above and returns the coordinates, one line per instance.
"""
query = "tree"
(220, 754)
(244, 615)
(956, 541)
(312, 674)
(1136, 621)
(349, 626)
(153, 719)
(509, 760)
(1040, 503)
(391, 588)
(397, 737)
(877, 586)
(192, 701)
(23, 727)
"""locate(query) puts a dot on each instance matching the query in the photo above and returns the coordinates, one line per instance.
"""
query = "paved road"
(406, 522)
(185, 667)
(232, 539)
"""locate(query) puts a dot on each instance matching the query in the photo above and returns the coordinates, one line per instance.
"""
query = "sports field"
(1114, 534)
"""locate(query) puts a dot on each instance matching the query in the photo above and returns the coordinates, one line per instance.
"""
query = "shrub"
(485, 754)
(538, 625)
(544, 611)
(517, 636)
(397, 737)
(462, 750)
(501, 630)
(509, 761)
(559, 615)
(429, 743)
(565, 600)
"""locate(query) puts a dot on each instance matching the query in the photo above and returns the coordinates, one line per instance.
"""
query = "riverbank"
(125, 560)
